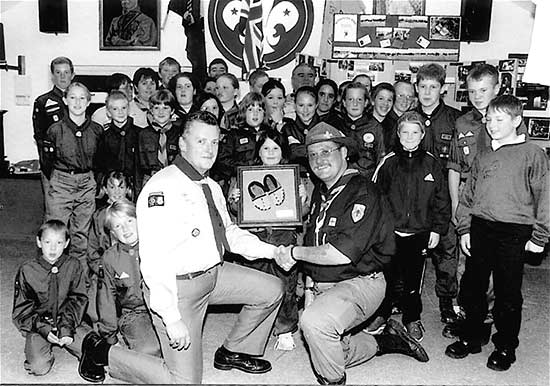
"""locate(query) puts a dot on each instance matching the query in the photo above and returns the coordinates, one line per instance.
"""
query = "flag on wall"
(250, 26)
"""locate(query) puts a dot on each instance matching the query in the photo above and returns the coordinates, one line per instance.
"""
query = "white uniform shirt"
(176, 235)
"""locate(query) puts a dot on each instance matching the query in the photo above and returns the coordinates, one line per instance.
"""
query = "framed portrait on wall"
(399, 7)
(129, 25)
(269, 196)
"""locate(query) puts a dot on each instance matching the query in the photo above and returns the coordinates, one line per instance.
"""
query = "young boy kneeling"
(503, 212)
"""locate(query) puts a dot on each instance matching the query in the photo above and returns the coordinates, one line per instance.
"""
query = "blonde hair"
(118, 209)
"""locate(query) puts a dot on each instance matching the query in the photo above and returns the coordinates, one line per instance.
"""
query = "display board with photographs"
(533, 96)
(538, 128)
(389, 37)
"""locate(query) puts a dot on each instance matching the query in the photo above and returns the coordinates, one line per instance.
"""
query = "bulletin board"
(390, 37)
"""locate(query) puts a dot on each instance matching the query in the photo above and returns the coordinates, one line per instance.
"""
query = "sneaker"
(416, 330)
(377, 326)
(285, 342)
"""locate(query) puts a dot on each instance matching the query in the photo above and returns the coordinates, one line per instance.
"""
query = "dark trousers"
(445, 260)
(498, 248)
(406, 266)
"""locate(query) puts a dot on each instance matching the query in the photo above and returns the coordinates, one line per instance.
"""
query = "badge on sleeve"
(357, 212)
(155, 199)
(332, 222)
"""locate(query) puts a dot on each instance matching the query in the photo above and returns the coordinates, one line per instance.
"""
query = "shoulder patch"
(358, 212)
(155, 199)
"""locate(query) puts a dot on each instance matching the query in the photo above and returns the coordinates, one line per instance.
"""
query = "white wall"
(511, 26)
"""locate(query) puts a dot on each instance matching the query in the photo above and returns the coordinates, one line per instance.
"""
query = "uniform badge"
(54, 269)
(195, 232)
(368, 138)
(358, 212)
(466, 150)
(429, 177)
(243, 141)
(427, 123)
(55, 118)
(446, 137)
(78, 134)
(332, 222)
(155, 199)
(173, 147)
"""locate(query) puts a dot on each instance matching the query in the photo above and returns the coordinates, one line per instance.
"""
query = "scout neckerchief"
(327, 197)
(215, 217)
(53, 285)
(162, 153)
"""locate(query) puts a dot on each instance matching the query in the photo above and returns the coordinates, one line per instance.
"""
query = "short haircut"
(79, 85)
(411, 117)
(174, 81)
(327, 82)
(162, 97)
(119, 208)
(380, 87)
(205, 117)
(310, 90)
(407, 82)
(114, 81)
(272, 84)
(250, 99)
(120, 177)
(115, 95)
(358, 85)
(304, 64)
(232, 78)
(255, 75)
(61, 60)
(218, 61)
(358, 76)
(57, 226)
(342, 87)
(169, 61)
(277, 137)
(432, 71)
(508, 104)
(206, 80)
(483, 70)
(145, 73)
(206, 96)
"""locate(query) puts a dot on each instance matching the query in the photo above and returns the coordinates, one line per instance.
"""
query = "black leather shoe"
(461, 348)
(501, 360)
(227, 360)
(87, 368)
(324, 381)
(396, 339)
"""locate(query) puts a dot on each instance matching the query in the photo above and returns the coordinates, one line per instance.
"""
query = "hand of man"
(65, 341)
(532, 247)
(433, 241)
(283, 258)
(52, 338)
(465, 244)
(178, 334)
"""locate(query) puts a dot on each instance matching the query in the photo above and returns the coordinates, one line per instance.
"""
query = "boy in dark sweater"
(503, 212)
(50, 298)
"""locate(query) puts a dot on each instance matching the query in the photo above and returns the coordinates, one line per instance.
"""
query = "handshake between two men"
(284, 257)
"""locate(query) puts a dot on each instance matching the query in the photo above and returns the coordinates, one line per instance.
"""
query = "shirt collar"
(74, 127)
(495, 145)
(344, 179)
(187, 169)
(49, 266)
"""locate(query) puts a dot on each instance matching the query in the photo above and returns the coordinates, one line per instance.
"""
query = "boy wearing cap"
(349, 239)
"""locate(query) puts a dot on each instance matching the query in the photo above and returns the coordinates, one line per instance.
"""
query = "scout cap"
(322, 132)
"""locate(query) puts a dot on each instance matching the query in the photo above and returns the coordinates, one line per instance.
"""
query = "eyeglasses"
(407, 97)
(322, 154)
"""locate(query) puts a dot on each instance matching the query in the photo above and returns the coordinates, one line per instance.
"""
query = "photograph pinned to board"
(372, 20)
(345, 28)
(533, 96)
(507, 65)
(412, 22)
(403, 76)
(445, 28)
(538, 128)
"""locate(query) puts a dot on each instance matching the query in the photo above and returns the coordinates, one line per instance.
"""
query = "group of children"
(419, 151)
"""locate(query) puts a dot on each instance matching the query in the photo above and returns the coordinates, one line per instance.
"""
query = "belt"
(74, 171)
(192, 275)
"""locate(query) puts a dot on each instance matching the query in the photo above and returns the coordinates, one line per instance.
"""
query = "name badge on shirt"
(332, 222)
(446, 137)
(243, 141)
(466, 150)
(173, 147)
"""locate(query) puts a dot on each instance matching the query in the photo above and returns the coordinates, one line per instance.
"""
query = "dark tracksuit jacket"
(415, 187)
(44, 291)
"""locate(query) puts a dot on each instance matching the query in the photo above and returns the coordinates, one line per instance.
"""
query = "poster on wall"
(383, 37)
(399, 7)
(287, 28)
(130, 25)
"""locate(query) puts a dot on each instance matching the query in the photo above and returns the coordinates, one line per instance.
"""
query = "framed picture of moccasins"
(269, 196)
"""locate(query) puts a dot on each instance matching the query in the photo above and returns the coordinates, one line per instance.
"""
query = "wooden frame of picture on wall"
(132, 25)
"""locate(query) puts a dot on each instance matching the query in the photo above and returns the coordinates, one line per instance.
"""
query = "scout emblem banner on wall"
(284, 29)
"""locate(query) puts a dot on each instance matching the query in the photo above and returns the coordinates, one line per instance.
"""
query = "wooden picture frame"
(138, 29)
(269, 196)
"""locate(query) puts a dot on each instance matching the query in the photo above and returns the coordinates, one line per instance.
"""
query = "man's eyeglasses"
(407, 97)
(322, 154)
